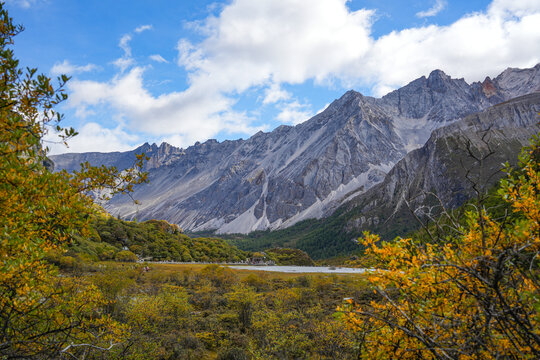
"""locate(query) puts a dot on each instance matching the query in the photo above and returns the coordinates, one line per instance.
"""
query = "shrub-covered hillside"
(151, 240)
(283, 256)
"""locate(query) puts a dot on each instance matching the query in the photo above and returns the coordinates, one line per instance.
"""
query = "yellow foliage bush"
(473, 296)
(40, 212)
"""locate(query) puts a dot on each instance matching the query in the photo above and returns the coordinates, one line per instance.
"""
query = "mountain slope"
(266, 180)
(442, 167)
(274, 180)
(158, 156)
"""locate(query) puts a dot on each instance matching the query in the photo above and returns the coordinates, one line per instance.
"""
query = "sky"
(188, 71)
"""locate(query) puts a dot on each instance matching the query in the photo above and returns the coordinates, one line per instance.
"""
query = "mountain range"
(458, 162)
(362, 156)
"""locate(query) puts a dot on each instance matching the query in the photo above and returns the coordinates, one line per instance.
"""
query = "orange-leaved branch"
(475, 295)
(40, 211)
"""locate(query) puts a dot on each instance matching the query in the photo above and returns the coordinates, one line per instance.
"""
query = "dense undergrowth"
(212, 312)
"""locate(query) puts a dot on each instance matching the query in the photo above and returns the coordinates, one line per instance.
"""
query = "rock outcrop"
(446, 171)
(158, 156)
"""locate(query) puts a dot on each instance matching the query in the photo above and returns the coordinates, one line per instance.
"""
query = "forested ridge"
(153, 240)
(110, 239)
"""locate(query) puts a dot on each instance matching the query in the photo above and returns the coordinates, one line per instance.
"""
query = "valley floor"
(193, 311)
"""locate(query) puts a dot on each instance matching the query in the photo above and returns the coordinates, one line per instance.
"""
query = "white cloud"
(275, 93)
(193, 114)
(266, 43)
(290, 41)
(123, 63)
(93, 137)
(124, 44)
(158, 58)
(511, 8)
(67, 68)
(126, 60)
(142, 28)
(294, 113)
(434, 10)
(251, 43)
(188, 55)
(474, 46)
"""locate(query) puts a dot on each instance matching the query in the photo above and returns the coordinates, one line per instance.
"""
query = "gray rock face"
(158, 156)
(444, 168)
(273, 180)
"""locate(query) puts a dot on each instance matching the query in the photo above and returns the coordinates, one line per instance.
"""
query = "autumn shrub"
(257, 281)
(125, 256)
(474, 294)
(43, 315)
(233, 354)
(221, 277)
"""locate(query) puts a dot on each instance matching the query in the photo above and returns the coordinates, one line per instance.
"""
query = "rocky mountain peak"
(166, 146)
(283, 128)
(436, 74)
(439, 81)
(345, 100)
(441, 165)
(211, 142)
(352, 102)
(161, 155)
(435, 99)
(145, 147)
(514, 82)
(275, 179)
(488, 87)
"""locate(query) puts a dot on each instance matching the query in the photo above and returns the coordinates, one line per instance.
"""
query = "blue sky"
(186, 71)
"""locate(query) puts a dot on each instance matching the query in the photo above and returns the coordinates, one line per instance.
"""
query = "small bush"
(126, 256)
(233, 354)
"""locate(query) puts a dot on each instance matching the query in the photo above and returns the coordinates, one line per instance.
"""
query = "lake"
(301, 269)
